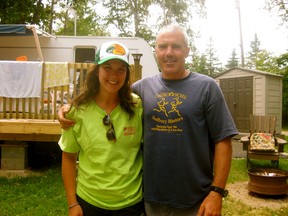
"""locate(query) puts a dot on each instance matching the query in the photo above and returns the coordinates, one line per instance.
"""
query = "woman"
(106, 140)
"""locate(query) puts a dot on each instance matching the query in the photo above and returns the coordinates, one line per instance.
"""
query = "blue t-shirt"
(183, 119)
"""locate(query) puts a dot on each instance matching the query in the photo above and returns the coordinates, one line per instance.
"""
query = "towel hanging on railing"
(20, 79)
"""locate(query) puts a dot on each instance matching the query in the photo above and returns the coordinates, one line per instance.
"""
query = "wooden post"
(137, 66)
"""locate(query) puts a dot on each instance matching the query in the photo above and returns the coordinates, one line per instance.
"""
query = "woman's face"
(112, 76)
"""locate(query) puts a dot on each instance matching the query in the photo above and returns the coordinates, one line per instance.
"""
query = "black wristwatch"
(219, 190)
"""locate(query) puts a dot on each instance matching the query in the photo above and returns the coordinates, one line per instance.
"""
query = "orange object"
(21, 58)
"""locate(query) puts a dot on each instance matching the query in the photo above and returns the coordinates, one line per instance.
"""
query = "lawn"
(42, 193)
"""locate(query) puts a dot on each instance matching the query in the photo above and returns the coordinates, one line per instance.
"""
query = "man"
(187, 134)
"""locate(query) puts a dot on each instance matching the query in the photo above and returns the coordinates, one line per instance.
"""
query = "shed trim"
(249, 70)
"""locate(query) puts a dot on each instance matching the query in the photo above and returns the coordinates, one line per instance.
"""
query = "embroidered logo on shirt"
(129, 131)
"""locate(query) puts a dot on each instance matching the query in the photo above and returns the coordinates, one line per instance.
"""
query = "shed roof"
(250, 71)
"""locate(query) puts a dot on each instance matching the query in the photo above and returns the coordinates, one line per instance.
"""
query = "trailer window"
(84, 55)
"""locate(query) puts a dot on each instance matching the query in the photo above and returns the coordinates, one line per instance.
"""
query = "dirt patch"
(240, 192)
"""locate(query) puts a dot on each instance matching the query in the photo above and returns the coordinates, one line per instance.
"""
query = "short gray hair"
(174, 28)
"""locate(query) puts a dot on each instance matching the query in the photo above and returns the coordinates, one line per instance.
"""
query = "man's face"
(171, 51)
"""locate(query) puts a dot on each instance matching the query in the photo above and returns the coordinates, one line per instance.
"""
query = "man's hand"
(65, 123)
(211, 206)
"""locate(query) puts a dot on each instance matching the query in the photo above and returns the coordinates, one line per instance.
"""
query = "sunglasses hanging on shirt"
(110, 134)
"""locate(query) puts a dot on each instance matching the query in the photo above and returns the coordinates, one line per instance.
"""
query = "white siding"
(274, 99)
(259, 95)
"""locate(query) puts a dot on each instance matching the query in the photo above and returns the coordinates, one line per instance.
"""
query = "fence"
(35, 118)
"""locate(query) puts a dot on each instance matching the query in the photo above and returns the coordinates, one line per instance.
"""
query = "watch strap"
(223, 192)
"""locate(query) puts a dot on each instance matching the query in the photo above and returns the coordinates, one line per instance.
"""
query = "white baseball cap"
(112, 50)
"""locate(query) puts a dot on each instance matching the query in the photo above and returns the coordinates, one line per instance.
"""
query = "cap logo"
(112, 50)
(116, 49)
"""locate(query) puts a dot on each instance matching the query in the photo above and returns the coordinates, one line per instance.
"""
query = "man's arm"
(212, 204)
(65, 123)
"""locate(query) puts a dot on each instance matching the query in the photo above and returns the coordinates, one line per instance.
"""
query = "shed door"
(238, 94)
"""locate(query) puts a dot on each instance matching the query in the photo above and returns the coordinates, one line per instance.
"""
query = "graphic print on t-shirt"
(167, 113)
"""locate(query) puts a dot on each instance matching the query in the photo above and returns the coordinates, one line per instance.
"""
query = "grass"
(238, 172)
(233, 207)
(43, 194)
(35, 195)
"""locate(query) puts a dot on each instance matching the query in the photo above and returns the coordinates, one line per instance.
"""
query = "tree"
(233, 61)
(200, 64)
(251, 61)
(88, 22)
(261, 59)
(120, 13)
(281, 7)
(282, 62)
(212, 59)
(66, 15)
(266, 62)
(173, 11)
(181, 12)
(22, 12)
(130, 17)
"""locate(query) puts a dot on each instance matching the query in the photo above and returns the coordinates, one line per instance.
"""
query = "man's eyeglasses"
(110, 134)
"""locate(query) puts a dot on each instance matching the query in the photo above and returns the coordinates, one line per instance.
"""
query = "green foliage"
(280, 7)
(251, 60)
(88, 21)
(282, 62)
(212, 59)
(261, 59)
(199, 64)
(22, 12)
(174, 11)
(124, 14)
(233, 61)
(266, 62)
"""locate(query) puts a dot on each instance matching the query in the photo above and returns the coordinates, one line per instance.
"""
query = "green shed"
(250, 91)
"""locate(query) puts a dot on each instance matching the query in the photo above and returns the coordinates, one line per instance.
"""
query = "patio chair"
(262, 144)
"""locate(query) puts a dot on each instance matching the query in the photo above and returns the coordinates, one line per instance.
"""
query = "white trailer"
(35, 119)
(45, 47)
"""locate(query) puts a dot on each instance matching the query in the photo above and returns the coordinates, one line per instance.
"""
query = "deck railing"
(46, 107)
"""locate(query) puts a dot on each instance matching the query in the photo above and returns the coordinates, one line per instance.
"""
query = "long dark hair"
(91, 89)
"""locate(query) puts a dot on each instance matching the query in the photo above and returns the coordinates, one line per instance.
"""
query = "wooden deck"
(35, 119)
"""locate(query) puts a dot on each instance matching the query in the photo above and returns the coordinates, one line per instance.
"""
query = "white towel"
(20, 79)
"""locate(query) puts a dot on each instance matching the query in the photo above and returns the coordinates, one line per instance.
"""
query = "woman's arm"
(69, 174)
